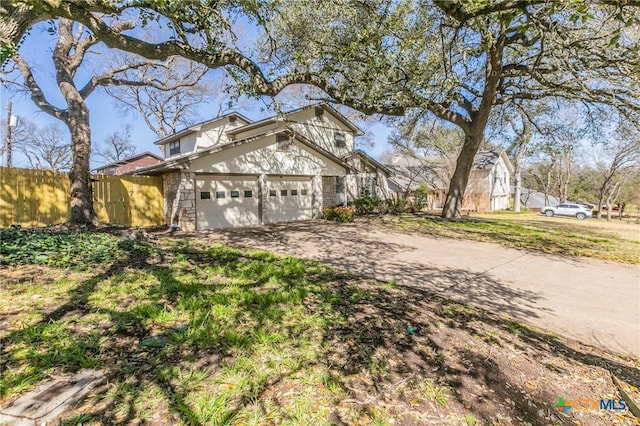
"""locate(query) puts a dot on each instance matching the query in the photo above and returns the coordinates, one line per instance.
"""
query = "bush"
(421, 198)
(368, 205)
(396, 205)
(339, 214)
(75, 249)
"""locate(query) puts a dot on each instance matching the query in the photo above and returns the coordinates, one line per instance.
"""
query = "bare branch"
(37, 96)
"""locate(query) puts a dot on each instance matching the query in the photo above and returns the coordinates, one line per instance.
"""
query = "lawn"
(191, 333)
(599, 239)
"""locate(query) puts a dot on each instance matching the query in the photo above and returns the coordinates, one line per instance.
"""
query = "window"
(283, 192)
(340, 185)
(294, 192)
(272, 193)
(232, 119)
(235, 194)
(319, 111)
(340, 140)
(220, 194)
(303, 192)
(248, 194)
(283, 142)
(174, 148)
(205, 195)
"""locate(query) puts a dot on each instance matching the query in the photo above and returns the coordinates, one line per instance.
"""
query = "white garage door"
(226, 202)
(288, 199)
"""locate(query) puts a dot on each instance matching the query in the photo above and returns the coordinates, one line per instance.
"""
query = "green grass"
(531, 233)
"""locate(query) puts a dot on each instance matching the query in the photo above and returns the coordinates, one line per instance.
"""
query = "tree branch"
(37, 96)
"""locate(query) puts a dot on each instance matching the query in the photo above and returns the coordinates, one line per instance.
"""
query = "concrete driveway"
(593, 301)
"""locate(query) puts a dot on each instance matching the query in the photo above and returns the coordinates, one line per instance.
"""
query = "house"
(408, 174)
(230, 171)
(126, 165)
(488, 188)
(368, 177)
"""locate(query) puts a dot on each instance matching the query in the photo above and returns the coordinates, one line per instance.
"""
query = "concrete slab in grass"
(50, 400)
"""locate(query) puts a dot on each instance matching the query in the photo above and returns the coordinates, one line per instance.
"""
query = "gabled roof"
(196, 127)
(174, 163)
(129, 160)
(278, 117)
(368, 159)
(486, 160)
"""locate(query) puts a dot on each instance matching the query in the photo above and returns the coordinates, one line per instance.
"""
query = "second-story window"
(174, 148)
(340, 140)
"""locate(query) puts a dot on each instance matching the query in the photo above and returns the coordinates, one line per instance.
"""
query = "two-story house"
(488, 188)
(229, 171)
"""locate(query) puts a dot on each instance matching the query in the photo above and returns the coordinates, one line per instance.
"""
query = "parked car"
(567, 209)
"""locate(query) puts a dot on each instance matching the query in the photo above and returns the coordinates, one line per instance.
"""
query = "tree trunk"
(453, 203)
(600, 204)
(518, 185)
(81, 199)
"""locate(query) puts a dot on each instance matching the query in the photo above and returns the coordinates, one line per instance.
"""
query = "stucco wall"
(263, 156)
(320, 130)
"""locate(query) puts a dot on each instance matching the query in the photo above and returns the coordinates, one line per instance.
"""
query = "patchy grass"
(191, 333)
(563, 236)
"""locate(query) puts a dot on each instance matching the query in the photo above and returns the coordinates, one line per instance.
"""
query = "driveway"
(593, 301)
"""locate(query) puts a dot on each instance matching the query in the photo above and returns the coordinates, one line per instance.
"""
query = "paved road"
(594, 301)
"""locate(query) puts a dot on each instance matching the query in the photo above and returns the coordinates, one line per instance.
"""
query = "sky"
(105, 117)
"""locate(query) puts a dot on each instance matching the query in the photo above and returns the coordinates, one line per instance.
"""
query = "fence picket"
(30, 197)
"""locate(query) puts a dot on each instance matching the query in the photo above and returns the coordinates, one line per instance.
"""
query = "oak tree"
(457, 59)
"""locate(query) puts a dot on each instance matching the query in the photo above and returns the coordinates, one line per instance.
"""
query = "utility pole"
(9, 135)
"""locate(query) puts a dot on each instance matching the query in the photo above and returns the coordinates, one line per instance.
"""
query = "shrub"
(421, 198)
(368, 205)
(396, 205)
(76, 249)
(339, 214)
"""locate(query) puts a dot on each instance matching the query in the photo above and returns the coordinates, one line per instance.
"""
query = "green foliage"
(339, 213)
(396, 205)
(78, 249)
(368, 205)
(421, 198)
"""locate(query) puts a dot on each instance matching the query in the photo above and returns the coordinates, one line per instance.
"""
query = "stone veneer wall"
(180, 200)
(328, 191)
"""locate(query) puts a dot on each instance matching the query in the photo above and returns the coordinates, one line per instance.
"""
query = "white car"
(567, 209)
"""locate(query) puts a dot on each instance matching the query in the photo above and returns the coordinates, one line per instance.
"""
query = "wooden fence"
(31, 197)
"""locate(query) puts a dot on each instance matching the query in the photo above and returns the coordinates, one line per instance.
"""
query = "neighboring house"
(408, 174)
(531, 199)
(130, 164)
(488, 188)
(229, 171)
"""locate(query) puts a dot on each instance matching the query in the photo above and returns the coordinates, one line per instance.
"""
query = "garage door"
(288, 199)
(226, 202)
